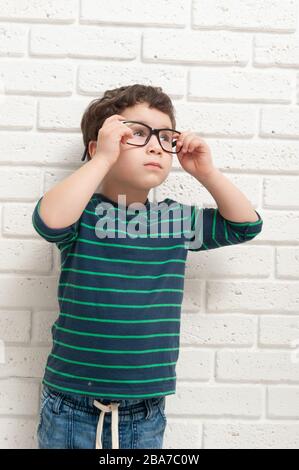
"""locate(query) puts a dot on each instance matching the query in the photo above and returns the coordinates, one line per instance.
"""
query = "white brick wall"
(231, 69)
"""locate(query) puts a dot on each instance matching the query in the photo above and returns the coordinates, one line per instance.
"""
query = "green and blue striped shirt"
(117, 334)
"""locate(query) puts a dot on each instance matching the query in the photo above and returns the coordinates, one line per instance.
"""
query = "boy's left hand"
(197, 158)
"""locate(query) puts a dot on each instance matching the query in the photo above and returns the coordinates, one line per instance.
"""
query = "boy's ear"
(92, 146)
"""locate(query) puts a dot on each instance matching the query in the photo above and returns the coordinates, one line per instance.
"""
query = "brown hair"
(115, 101)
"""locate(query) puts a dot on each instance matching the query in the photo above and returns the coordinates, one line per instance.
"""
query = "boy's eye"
(165, 136)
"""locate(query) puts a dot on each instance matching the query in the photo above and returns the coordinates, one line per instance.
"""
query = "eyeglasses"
(142, 133)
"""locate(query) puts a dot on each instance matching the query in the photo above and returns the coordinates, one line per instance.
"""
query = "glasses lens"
(168, 140)
(141, 133)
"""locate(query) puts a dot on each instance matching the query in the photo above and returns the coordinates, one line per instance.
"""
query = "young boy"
(116, 338)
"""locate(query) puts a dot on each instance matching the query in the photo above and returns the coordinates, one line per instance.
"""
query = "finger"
(183, 134)
(114, 118)
(126, 134)
(116, 125)
(179, 142)
(112, 122)
(186, 142)
(117, 116)
(193, 144)
(192, 147)
(182, 138)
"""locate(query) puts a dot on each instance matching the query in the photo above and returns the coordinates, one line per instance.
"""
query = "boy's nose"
(154, 143)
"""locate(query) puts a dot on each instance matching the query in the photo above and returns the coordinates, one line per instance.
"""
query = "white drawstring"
(113, 407)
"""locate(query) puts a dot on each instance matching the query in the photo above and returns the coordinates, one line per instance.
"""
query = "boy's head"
(141, 103)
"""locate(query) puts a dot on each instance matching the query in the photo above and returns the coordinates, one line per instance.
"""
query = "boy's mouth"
(153, 165)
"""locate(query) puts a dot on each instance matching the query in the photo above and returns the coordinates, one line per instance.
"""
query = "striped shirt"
(117, 334)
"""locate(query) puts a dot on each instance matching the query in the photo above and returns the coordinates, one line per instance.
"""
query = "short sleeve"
(53, 235)
(210, 230)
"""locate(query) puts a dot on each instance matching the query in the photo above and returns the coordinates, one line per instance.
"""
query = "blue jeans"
(69, 421)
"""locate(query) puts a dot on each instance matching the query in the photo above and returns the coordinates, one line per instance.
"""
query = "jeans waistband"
(87, 401)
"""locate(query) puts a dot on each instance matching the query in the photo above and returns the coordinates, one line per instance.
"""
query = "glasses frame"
(152, 131)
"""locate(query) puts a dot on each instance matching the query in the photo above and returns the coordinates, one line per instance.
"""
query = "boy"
(116, 339)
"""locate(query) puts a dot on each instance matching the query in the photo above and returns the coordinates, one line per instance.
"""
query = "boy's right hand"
(110, 136)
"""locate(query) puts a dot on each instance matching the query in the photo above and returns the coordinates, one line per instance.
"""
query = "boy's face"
(130, 171)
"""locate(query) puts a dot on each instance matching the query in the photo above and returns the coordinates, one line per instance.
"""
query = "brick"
(183, 188)
(197, 47)
(93, 11)
(17, 112)
(241, 85)
(61, 114)
(280, 121)
(42, 322)
(84, 41)
(217, 120)
(18, 433)
(217, 400)
(15, 325)
(281, 192)
(35, 77)
(255, 155)
(25, 255)
(17, 220)
(271, 50)
(254, 15)
(279, 226)
(19, 397)
(249, 296)
(256, 366)
(182, 434)
(217, 330)
(287, 262)
(283, 402)
(194, 364)
(170, 79)
(240, 260)
(24, 362)
(251, 435)
(18, 182)
(37, 291)
(193, 296)
(13, 40)
(41, 11)
(41, 148)
(279, 331)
